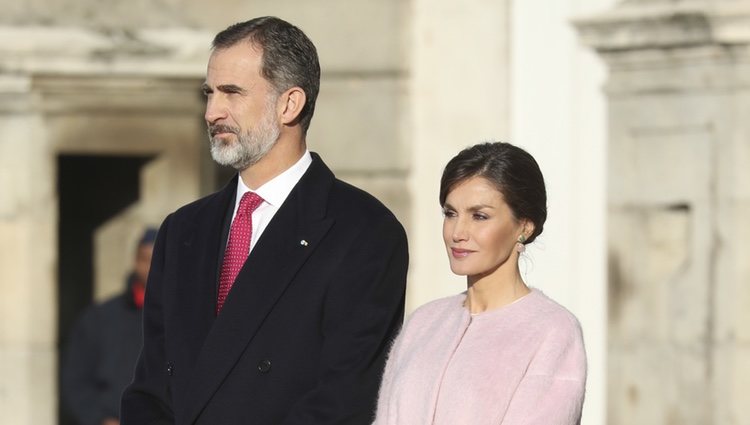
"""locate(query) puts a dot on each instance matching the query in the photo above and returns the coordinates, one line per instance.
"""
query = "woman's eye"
(449, 213)
(480, 217)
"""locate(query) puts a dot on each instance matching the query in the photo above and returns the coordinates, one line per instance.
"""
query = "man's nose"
(215, 110)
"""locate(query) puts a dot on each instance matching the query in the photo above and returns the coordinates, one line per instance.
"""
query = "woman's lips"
(460, 253)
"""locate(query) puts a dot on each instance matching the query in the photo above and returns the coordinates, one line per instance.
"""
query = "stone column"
(679, 202)
(27, 258)
(558, 113)
(459, 96)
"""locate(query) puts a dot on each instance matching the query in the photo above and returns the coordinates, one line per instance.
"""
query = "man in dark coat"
(273, 301)
(104, 346)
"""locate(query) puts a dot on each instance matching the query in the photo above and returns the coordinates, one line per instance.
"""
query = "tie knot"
(249, 202)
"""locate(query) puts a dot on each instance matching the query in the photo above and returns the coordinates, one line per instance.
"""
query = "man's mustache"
(213, 130)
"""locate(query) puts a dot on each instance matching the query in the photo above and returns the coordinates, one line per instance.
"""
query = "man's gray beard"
(250, 147)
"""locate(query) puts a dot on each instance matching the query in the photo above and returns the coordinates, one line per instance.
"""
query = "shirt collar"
(276, 190)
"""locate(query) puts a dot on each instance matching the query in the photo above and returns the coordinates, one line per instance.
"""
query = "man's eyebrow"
(230, 88)
(224, 88)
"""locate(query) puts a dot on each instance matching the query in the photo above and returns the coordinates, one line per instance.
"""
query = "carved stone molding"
(639, 25)
(62, 50)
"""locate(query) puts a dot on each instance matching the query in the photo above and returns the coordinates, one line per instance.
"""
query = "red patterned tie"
(238, 246)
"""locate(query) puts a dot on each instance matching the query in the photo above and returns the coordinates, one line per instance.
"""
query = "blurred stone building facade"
(102, 97)
(678, 209)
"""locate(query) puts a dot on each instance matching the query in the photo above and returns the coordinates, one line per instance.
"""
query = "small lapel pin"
(303, 242)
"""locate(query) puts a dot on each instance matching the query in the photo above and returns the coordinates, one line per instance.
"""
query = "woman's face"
(479, 229)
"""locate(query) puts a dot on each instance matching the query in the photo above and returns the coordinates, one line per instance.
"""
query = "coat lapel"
(291, 236)
(200, 244)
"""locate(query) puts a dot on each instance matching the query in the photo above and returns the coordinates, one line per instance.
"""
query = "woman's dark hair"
(512, 170)
(289, 57)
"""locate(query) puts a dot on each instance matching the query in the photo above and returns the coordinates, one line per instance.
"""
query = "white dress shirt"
(274, 192)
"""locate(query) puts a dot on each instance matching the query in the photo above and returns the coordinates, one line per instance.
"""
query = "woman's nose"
(460, 230)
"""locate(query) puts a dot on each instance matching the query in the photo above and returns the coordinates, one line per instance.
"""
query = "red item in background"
(139, 293)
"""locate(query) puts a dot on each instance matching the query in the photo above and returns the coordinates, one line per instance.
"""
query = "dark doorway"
(91, 189)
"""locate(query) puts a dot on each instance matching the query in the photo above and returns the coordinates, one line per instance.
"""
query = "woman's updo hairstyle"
(514, 173)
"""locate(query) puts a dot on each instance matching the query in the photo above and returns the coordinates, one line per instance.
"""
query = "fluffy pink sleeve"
(552, 390)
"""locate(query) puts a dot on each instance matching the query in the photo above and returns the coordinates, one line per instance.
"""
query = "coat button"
(264, 366)
(170, 369)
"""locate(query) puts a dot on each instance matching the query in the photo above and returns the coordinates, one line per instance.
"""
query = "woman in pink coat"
(500, 352)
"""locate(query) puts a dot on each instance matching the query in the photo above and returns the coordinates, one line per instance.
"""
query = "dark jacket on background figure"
(101, 355)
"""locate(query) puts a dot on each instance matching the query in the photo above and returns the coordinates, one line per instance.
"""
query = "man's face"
(241, 111)
(143, 261)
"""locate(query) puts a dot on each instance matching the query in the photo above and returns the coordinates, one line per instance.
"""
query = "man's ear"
(291, 103)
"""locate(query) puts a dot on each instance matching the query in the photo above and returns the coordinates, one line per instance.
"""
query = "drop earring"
(520, 247)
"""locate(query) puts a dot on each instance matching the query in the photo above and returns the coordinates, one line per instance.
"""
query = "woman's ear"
(527, 228)
(292, 102)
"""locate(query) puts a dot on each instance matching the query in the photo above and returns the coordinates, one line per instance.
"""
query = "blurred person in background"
(104, 345)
